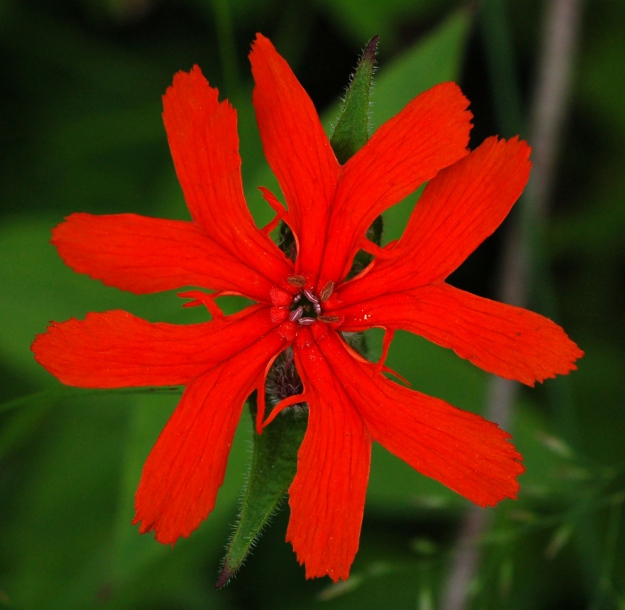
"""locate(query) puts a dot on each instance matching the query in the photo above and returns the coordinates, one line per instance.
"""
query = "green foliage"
(273, 466)
(351, 131)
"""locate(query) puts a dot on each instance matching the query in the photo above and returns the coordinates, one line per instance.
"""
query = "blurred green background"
(81, 131)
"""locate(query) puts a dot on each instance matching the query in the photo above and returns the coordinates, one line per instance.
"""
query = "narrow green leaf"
(352, 128)
(274, 462)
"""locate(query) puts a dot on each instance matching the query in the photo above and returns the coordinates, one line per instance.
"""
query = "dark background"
(81, 131)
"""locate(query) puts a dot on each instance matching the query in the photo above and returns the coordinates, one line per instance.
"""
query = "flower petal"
(202, 134)
(458, 210)
(463, 451)
(186, 467)
(116, 349)
(327, 496)
(430, 133)
(144, 255)
(509, 341)
(296, 148)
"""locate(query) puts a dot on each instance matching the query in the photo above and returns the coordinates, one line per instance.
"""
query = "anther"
(296, 298)
(296, 314)
(328, 319)
(317, 307)
(306, 321)
(311, 296)
(296, 280)
(326, 291)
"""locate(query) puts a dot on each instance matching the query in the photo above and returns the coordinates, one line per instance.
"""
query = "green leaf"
(274, 462)
(352, 128)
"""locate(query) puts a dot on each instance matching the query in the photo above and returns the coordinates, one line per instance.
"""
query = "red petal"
(144, 255)
(458, 210)
(430, 133)
(461, 450)
(509, 341)
(186, 467)
(327, 496)
(463, 205)
(116, 349)
(296, 148)
(204, 144)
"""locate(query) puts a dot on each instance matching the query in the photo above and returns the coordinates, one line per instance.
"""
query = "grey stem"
(546, 120)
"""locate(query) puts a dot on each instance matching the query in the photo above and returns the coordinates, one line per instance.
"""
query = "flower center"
(307, 306)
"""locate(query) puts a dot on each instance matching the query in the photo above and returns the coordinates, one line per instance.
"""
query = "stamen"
(311, 296)
(326, 291)
(296, 314)
(296, 280)
(307, 306)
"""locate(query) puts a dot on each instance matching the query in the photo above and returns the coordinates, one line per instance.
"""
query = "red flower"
(308, 304)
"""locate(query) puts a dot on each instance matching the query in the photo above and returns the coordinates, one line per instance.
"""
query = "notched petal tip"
(499, 473)
(187, 82)
(261, 39)
(262, 50)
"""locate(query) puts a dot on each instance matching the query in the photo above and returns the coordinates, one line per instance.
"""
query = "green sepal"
(274, 462)
(352, 132)
(352, 128)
